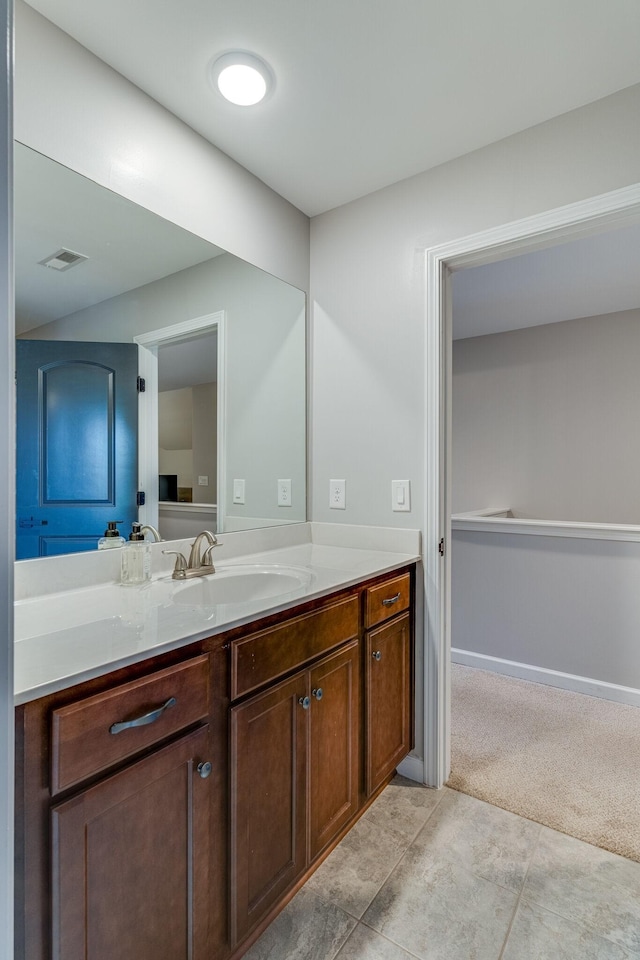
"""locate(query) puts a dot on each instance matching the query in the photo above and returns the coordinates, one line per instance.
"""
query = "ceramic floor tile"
(486, 840)
(437, 910)
(587, 885)
(365, 944)
(405, 805)
(353, 873)
(575, 857)
(538, 934)
(307, 929)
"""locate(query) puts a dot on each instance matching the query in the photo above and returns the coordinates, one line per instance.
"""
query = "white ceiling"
(583, 278)
(368, 92)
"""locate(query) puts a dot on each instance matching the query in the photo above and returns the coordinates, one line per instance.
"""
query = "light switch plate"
(338, 494)
(238, 491)
(284, 493)
(203, 481)
(401, 496)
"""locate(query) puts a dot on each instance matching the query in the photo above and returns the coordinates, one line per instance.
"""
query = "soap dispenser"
(111, 536)
(136, 558)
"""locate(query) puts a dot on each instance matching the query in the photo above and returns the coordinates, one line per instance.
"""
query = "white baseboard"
(412, 768)
(553, 678)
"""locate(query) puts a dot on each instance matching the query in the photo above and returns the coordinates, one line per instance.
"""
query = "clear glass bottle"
(136, 558)
(111, 536)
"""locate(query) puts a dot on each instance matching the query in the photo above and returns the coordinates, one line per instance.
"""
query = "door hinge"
(441, 547)
(141, 498)
(142, 384)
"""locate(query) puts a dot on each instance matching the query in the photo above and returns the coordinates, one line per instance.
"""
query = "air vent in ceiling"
(63, 260)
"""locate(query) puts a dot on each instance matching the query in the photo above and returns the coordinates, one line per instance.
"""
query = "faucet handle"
(206, 556)
(180, 569)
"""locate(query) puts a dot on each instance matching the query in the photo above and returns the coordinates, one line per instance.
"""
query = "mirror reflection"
(216, 439)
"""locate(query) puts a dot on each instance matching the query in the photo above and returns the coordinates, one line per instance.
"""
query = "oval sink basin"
(241, 584)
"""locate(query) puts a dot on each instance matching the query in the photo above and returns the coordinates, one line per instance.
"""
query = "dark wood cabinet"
(333, 746)
(294, 780)
(130, 861)
(268, 767)
(388, 699)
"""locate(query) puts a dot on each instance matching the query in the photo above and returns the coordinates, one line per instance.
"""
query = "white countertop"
(65, 637)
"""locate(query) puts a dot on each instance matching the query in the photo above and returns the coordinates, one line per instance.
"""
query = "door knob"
(376, 654)
(204, 769)
(317, 693)
(304, 702)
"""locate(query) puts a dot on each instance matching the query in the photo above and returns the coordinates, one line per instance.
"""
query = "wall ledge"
(499, 521)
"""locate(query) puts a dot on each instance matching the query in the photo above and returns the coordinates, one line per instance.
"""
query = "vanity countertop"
(69, 636)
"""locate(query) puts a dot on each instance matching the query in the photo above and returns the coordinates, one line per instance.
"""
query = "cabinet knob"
(317, 693)
(376, 654)
(304, 702)
(204, 769)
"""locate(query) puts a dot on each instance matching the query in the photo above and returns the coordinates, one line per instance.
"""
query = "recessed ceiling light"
(241, 78)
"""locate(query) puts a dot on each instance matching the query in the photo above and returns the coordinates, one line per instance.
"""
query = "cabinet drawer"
(265, 656)
(93, 734)
(387, 599)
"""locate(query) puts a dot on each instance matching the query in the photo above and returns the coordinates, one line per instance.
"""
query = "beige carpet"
(563, 759)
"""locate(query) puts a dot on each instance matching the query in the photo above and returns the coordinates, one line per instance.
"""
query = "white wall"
(561, 604)
(205, 405)
(175, 419)
(545, 420)
(72, 107)
(367, 290)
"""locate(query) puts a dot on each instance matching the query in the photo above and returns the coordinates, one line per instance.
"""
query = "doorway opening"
(573, 221)
(186, 413)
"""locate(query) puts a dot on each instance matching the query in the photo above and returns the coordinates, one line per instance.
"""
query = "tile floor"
(438, 875)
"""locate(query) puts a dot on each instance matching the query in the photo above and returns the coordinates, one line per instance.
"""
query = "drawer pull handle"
(391, 600)
(143, 720)
(204, 769)
(376, 655)
(317, 693)
(304, 702)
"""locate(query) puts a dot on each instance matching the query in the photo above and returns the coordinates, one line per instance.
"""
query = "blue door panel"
(77, 414)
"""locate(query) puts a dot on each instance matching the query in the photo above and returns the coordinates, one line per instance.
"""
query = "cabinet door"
(268, 792)
(388, 699)
(334, 746)
(130, 861)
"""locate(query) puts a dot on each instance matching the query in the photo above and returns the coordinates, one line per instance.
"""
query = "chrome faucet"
(198, 565)
(152, 530)
(197, 561)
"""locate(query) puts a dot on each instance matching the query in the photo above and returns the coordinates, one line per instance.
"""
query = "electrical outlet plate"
(203, 481)
(338, 494)
(401, 496)
(284, 493)
(238, 491)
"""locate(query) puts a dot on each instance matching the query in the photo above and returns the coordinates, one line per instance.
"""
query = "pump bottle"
(111, 536)
(136, 558)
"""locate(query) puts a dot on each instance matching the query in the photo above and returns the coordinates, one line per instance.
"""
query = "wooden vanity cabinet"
(294, 763)
(115, 848)
(130, 861)
(388, 678)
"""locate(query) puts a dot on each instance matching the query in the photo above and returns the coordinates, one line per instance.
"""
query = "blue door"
(77, 443)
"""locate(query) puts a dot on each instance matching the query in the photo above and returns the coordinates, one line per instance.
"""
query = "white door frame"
(584, 218)
(148, 409)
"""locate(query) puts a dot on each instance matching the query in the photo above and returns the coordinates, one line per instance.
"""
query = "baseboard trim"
(553, 678)
(412, 768)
